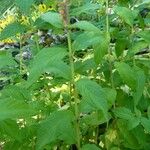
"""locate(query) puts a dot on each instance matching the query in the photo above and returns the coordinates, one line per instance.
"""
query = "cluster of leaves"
(90, 92)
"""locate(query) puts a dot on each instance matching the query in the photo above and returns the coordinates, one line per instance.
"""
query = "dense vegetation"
(75, 75)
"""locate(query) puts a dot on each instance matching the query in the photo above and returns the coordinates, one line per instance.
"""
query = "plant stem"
(74, 93)
(21, 57)
(72, 85)
(109, 51)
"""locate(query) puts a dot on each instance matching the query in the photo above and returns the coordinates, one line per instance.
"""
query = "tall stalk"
(21, 56)
(109, 51)
(65, 16)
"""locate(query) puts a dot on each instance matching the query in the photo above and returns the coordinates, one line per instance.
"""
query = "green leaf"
(137, 47)
(146, 124)
(95, 118)
(126, 14)
(145, 35)
(53, 18)
(92, 94)
(12, 30)
(110, 96)
(15, 92)
(45, 60)
(90, 147)
(13, 109)
(87, 8)
(60, 69)
(5, 5)
(120, 46)
(132, 123)
(123, 113)
(85, 25)
(85, 40)
(129, 139)
(140, 83)
(6, 60)
(127, 74)
(57, 127)
(24, 5)
(6, 129)
(101, 48)
(144, 61)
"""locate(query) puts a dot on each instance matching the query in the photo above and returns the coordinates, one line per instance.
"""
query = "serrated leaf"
(53, 18)
(146, 124)
(60, 69)
(128, 136)
(90, 147)
(92, 94)
(85, 40)
(11, 30)
(85, 25)
(140, 83)
(6, 127)
(87, 8)
(127, 74)
(123, 113)
(120, 46)
(46, 59)
(101, 48)
(6, 60)
(126, 14)
(24, 5)
(145, 35)
(13, 109)
(95, 118)
(15, 92)
(57, 127)
(132, 123)
(144, 61)
(137, 47)
(110, 96)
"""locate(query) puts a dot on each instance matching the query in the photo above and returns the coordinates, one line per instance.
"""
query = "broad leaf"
(95, 118)
(90, 147)
(140, 83)
(123, 113)
(53, 18)
(6, 60)
(57, 127)
(86, 39)
(12, 30)
(13, 109)
(146, 124)
(45, 60)
(137, 47)
(85, 25)
(126, 14)
(101, 48)
(145, 35)
(127, 74)
(120, 46)
(6, 127)
(92, 94)
(110, 96)
(24, 5)
(87, 8)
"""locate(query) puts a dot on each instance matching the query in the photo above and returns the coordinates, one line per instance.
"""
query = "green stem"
(72, 82)
(109, 51)
(74, 93)
(21, 57)
(37, 43)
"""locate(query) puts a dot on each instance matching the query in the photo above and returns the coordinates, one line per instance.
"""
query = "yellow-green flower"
(42, 8)
(24, 20)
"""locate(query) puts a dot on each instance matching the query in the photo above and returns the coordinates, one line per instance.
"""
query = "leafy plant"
(76, 85)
